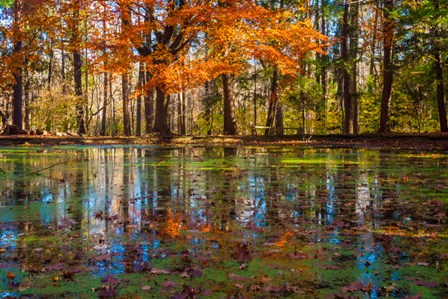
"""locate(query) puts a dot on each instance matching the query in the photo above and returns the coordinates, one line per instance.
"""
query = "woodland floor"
(416, 142)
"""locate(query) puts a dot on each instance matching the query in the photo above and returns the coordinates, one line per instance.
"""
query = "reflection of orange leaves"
(173, 224)
(10, 276)
(284, 238)
(206, 228)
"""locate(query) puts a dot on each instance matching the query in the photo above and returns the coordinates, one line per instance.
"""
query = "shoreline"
(423, 142)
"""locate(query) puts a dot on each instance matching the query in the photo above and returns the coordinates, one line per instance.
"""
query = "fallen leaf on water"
(353, 287)
(428, 284)
(273, 289)
(236, 277)
(169, 284)
(10, 275)
(159, 271)
(298, 256)
(146, 288)
(242, 253)
(54, 267)
(331, 267)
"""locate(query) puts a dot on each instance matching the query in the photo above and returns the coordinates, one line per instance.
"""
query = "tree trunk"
(388, 27)
(17, 100)
(27, 100)
(138, 129)
(77, 72)
(125, 16)
(86, 92)
(373, 45)
(50, 66)
(125, 95)
(254, 130)
(272, 103)
(347, 124)
(229, 113)
(77, 64)
(64, 86)
(182, 114)
(279, 120)
(207, 104)
(149, 106)
(439, 78)
(105, 103)
(354, 16)
(161, 119)
(440, 92)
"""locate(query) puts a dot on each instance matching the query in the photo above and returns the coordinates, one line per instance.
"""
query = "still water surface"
(339, 221)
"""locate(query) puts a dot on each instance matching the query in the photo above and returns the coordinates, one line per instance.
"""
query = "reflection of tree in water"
(113, 196)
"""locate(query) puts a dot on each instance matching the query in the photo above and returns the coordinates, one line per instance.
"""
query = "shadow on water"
(298, 222)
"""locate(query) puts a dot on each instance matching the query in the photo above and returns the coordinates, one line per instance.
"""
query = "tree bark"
(182, 114)
(149, 110)
(272, 103)
(439, 77)
(388, 27)
(26, 96)
(138, 129)
(125, 95)
(64, 86)
(347, 124)
(440, 91)
(77, 73)
(77, 65)
(279, 120)
(105, 104)
(50, 66)
(161, 115)
(254, 130)
(373, 42)
(354, 16)
(125, 16)
(207, 104)
(229, 113)
(17, 100)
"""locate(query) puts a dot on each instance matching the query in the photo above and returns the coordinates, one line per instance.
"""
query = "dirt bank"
(427, 142)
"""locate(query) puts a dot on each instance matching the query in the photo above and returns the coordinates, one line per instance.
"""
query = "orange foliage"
(182, 43)
(195, 41)
(173, 224)
(284, 238)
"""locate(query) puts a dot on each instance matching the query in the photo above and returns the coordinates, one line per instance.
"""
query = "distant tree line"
(128, 67)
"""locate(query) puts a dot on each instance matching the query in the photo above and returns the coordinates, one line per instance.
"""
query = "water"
(247, 221)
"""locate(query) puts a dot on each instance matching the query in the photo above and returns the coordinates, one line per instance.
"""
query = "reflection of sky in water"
(369, 263)
(258, 199)
(331, 199)
(46, 213)
(149, 191)
(8, 241)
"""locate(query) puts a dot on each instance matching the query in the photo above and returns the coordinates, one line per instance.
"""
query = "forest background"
(128, 67)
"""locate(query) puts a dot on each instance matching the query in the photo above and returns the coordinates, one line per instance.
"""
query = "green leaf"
(6, 3)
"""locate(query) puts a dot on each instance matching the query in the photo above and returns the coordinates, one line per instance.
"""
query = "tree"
(388, 71)
(76, 40)
(125, 16)
(17, 102)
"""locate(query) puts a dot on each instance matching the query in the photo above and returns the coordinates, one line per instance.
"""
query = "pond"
(217, 222)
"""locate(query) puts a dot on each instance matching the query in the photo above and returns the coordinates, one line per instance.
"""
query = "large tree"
(388, 69)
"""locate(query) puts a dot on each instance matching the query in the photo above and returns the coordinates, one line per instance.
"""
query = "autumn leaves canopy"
(185, 43)
(181, 44)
